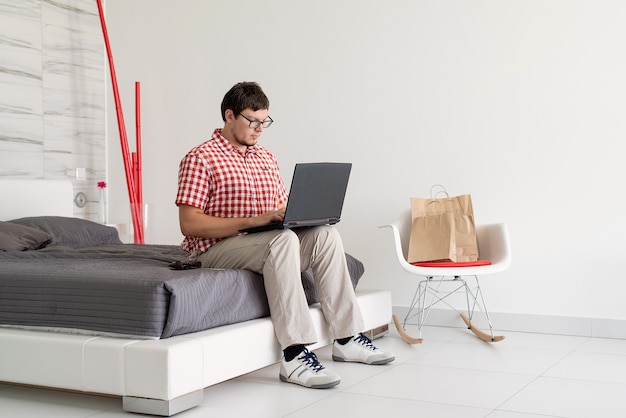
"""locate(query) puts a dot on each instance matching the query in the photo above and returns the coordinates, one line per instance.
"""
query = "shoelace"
(310, 360)
(365, 342)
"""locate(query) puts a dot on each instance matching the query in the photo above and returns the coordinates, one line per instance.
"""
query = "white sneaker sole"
(320, 386)
(378, 362)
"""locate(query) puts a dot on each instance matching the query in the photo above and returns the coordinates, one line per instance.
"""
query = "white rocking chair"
(438, 283)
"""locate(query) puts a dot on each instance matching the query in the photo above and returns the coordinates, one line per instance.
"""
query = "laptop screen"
(317, 192)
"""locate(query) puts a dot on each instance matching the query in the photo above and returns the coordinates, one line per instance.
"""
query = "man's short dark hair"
(244, 95)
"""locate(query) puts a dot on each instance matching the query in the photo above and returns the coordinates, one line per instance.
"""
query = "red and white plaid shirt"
(225, 182)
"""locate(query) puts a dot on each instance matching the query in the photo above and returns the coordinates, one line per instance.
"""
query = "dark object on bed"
(78, 283)
(185, 265)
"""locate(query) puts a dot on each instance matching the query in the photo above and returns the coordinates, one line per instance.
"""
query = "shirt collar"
(225, 143)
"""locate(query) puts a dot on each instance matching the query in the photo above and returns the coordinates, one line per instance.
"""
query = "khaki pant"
(280, 256)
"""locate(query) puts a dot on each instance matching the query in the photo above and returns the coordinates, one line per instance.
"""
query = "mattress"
(129, 290)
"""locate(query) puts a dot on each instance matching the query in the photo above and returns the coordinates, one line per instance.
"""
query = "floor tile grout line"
(538, 377)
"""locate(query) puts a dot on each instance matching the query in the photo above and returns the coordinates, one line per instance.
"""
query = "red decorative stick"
(135, 204)
(138, 168)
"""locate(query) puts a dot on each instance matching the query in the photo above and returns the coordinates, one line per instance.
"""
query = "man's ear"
(229, 115)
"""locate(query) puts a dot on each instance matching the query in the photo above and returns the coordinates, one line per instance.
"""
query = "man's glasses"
(257, 123)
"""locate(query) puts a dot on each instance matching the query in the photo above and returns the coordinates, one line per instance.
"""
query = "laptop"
(316, 196)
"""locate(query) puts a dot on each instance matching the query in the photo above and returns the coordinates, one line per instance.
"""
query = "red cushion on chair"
(448, 263)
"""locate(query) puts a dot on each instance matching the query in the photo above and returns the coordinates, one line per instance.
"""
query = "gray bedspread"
(129, 289)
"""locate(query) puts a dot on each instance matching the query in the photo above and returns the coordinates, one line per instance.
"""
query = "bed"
(81, 311)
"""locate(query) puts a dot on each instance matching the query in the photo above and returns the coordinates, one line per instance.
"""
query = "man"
(229, 183)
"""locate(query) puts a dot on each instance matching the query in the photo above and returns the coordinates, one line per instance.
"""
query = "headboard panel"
(22, 198)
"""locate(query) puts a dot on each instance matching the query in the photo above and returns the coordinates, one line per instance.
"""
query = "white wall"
(52, 97)
(520, 103)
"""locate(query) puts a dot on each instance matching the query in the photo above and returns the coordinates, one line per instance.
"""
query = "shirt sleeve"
(193, 182)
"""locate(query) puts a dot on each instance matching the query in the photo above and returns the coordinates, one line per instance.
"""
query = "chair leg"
(430, 291)
(475, 298)
(401, 326)
(422, 309)
(418, 303)
(414, 301)
(427, 294)
(427, 288)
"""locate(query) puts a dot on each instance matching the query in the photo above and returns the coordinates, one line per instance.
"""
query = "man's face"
(241, 134)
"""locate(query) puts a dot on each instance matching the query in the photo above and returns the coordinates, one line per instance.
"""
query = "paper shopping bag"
(443, 229)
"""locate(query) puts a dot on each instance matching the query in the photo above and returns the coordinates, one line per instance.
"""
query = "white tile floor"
(452, 374)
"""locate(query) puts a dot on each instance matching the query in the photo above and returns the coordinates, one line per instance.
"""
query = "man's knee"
(327, 234)
(286, 238)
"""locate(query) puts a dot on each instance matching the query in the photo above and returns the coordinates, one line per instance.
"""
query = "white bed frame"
(158, 377)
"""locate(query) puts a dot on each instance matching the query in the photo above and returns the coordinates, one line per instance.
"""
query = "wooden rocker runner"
(405, 335)
(480, 333)
(477, 331)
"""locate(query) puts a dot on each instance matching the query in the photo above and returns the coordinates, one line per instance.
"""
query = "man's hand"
(272, 216)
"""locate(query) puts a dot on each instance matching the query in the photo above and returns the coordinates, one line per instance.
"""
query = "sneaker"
(361, 350)
(307, 371)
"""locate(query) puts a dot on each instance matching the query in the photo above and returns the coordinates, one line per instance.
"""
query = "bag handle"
(437, 190)
(434, 192)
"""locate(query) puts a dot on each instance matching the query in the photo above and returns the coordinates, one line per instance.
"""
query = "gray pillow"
(72, 232)
(14, 237)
